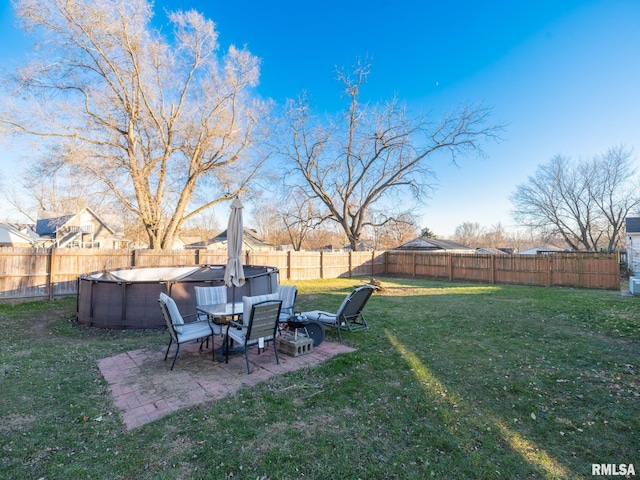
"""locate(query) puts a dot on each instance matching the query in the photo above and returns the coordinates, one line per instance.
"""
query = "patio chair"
(259, 327)
(180, 331)
(349, 316)
(288, 294)
(211, 296)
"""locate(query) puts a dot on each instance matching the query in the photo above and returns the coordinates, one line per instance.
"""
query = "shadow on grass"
(454, 404)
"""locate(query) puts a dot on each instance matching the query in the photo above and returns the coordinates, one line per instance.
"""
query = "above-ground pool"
(128, 298)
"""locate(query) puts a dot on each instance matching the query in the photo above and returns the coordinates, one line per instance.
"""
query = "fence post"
(50, 277)
(373, 263)
(450, 258)
(413, 264)
(350, 263)
(493, 269)
(549, 268)
(321, 263)
(288, 264)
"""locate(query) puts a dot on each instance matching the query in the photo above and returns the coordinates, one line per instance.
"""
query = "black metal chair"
(349, 316)
(258, 328)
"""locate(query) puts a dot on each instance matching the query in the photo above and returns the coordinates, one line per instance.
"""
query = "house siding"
(632, 239)
(81, 230)
(633, 243)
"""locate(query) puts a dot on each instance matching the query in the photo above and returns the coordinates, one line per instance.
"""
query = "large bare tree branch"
(155, 118)
(371, 153)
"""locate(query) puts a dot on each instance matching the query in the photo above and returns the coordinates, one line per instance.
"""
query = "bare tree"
(523, 239)
(615, 190)
(202, 227)
(50, 186)
(392, 233)
(371, 153)
(266, 220)
(585, 202)
(153, 117)
(495, 236)
(324, 238)
(299, 215)
(470, 234)
(287, 217)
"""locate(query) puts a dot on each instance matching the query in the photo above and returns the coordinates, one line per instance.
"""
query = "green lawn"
(452, 381)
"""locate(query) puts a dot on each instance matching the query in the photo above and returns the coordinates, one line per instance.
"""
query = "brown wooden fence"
(41, 273)
(583, 270)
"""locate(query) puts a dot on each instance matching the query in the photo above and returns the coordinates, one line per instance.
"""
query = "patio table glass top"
(221, 311)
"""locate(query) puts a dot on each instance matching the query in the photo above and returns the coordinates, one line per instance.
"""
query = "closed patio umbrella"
(234, 273)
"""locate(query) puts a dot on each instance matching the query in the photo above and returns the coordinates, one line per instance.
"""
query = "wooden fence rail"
(27, 273)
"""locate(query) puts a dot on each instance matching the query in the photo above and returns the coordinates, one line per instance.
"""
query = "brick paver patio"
(145, 389)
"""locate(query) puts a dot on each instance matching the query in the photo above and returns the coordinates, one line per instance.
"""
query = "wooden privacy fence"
(48, 273)
(582, 270)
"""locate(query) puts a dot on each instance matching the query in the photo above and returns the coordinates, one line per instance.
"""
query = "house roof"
(541, 249)
(362, 246)
(49, 222)
(632, 224)
(10, 235)
(250, 241)
(434, 244)
(490, 251)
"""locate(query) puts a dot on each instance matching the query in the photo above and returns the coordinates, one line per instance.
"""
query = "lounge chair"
(349, 316)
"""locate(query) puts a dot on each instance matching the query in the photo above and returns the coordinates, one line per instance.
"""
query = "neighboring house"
(490, 251)
(424, 244)
(180, 243)
(362, 246)
(84, 229)
(250, 241)
(541, 250)
(11, 236)
(633, 243)
(326, 248)
(184, 242)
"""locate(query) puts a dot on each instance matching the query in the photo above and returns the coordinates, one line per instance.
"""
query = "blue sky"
(563, 75)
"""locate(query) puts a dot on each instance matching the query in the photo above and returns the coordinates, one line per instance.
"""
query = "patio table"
(220, 314)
